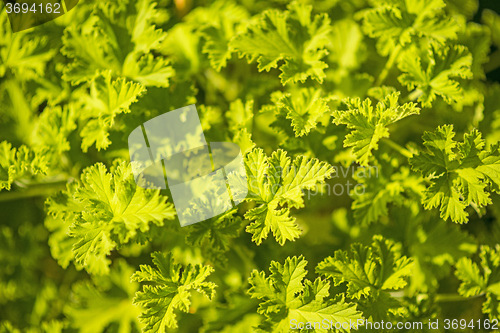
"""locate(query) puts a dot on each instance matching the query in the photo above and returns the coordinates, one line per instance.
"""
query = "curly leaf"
(287, 297)
(292, 36)
(482, 280)
(368, 126)
(276, 184)
(171, 288)
(460, 173)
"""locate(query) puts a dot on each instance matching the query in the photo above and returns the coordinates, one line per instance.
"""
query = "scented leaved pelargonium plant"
(370, 138)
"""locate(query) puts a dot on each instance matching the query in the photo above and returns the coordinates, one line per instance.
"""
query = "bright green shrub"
(370, 131)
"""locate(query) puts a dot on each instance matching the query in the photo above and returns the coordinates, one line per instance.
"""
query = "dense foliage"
(370, 133)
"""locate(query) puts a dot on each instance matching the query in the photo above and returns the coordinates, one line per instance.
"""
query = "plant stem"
(454, 297)
(414, 95)
(35, 190)
(403, 151)
(388, 65)
(63, 3)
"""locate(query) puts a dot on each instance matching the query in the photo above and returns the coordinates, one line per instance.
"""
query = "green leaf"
(106, 305)
(396, 22)
(16, 163)
(122, 34)
(378, 187)
(369, 273)
(148, 70)
(477, 39)
(216, 232)
(62, 210)
(287, 297)
(305, 108)
(366, 269)
(106, 100)
(276, 185)
(86, 62)
(492, 21)
(22, 55)
(238, 314)
(223, 20)
(112, 209)
(437, 73)
(435, 246)
(171, 288)
(292, 36)
(144, 33)
(483, 280)
(51, 131)
(92, 245)
(367, 126)
(347, 46)
(239, 116)
(460, 173)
